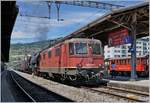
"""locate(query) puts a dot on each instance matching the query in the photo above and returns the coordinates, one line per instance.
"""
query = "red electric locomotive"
(123, 65)
(75, 58)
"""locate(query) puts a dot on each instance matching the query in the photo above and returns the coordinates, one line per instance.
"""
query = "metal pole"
(133, 46)
(49, 8)
(58, 10)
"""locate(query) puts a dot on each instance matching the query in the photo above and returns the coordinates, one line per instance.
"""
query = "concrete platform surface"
(140, 85)
(73, 93)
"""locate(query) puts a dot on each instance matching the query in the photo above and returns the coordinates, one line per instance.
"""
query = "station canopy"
(9, 14)
(121, 18)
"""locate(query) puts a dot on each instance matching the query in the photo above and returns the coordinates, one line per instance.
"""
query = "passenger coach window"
(44, 56)
(81, 48)
(49, 54)
(96, 49)
(71, 48)
(57, 52)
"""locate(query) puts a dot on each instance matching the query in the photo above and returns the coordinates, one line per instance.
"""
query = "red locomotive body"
(124, 65)
(73, 56)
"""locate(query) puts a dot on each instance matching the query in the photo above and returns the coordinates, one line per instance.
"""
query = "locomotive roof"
(81, 39)
(71, 40)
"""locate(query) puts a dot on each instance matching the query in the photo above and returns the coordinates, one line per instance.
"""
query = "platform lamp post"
(133, 47)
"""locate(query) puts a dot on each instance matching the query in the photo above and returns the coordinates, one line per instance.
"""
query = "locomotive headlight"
(100, 65)
(78, 65)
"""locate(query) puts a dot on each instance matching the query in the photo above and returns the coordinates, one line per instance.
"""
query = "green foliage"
(18, 51)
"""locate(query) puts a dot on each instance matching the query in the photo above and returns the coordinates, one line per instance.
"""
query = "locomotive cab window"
(96, 49)
(81, 48)
(71, 48)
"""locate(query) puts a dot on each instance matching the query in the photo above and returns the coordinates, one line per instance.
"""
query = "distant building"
(142, 48)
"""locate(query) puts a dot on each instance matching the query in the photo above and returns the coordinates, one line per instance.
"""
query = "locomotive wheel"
(63, 77)
(73, 78)
(87, 77)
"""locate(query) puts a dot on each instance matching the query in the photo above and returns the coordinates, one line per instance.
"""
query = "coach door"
(58, 57)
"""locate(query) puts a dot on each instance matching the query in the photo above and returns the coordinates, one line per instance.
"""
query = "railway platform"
(138, 85)
(72, 93)
(82, 94)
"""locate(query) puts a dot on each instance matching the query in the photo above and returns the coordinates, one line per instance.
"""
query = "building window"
(115, 55)
(123, 51)
(129, 47)
(123, 47)
(123, 55)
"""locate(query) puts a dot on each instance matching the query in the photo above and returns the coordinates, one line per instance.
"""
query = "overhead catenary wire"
(77, 24)
(90, 4)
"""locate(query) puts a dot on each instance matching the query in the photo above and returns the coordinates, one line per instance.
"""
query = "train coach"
(123, 65)
(72, 59)
(25, 64)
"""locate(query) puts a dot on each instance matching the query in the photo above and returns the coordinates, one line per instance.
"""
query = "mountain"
(18, 51)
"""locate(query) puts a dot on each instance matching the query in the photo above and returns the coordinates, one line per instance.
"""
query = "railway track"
(22, 89)
(121, 94)
(35, 92)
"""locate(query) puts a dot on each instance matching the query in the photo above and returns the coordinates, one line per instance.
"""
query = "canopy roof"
(120, 18)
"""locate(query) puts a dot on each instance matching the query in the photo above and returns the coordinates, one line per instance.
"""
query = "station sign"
(119, 37)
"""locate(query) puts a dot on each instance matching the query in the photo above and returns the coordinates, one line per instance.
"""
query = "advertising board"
(119, 37)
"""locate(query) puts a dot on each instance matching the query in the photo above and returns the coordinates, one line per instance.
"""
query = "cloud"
(71, 18)
(20, 35)
(38, 28)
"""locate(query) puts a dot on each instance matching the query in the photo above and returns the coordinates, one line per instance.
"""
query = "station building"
(142, 48)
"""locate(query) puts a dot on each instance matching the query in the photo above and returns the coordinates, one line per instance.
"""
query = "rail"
(131, 96)
(36, 92)
(30, 97)
(129, 91)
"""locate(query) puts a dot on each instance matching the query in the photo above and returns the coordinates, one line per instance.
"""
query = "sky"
(33, 28)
